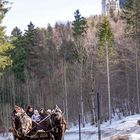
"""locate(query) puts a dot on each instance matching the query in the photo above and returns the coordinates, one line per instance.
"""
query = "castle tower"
(103, 6)
(108, 5)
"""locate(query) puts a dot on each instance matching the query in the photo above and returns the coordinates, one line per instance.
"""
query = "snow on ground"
(125, 127)
(5, 137)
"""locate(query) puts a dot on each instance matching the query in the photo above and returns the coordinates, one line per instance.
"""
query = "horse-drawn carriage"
(52, 127)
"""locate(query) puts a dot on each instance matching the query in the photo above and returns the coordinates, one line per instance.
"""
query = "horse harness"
(55, 129)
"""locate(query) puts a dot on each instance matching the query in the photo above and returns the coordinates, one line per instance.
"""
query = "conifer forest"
(68, 63)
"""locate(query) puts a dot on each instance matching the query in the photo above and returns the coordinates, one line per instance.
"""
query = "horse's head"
(20, 112)
(16, 124)
(58, 122)
(57, 115)
(24, 119)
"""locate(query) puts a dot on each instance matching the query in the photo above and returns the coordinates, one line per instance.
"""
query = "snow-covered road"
(125, 127)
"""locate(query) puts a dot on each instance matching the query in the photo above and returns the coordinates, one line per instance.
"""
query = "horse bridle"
(53, 124)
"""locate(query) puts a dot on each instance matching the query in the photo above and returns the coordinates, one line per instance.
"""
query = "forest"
(67, 64)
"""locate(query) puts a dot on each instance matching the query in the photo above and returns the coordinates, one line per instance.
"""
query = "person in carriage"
(54, 124)
(29, 111)
(42, 113)
(36, 116)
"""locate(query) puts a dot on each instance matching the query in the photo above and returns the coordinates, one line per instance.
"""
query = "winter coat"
(36, 117)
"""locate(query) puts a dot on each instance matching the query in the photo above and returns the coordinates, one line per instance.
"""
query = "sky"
(42, 12)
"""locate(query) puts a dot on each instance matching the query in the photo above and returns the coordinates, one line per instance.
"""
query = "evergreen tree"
(105, 39)
(18, 54)
(79, 25)
(30, 34)
(5, 47)
(16, 32)
(31, 40)
(105, 33)
(79, 28)
(49, 35)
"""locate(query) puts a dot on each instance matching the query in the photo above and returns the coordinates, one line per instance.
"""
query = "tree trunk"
(92, 93)
(81, 94)
(137, 82)
(127, 89)
(108, 83)
(65, 91)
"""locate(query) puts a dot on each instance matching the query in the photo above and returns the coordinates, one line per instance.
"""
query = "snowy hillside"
(125, 127)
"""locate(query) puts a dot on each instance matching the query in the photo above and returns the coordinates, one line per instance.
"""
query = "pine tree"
(105, 39)
(30, 34)
(16, 32)
(79, 27)
(18, 54)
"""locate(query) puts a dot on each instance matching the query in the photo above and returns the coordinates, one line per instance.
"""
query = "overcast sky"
(42, 12)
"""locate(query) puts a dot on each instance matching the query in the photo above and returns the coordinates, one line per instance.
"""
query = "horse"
(25, 129)
(58, 123)
(54, 125)
(16, 126)
(25, 120)
(21, 124)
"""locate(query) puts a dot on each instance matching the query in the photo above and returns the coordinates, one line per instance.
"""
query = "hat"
(41, 109)
(35, 111)
(49, 111)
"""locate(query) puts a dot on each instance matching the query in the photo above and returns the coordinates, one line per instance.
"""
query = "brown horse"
(16, 126)
(54, 125)
(21, 124)
(58, 123)
(25, 120)
(25, 129)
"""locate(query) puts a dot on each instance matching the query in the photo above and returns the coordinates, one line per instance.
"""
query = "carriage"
(52, 127)
(39, 135)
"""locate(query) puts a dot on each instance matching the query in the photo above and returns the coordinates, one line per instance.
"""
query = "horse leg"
(62, 138)
(52, 137)
(15, 138)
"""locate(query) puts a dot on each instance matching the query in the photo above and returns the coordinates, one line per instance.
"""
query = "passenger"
(36, 117)
(42, 113)
(29, 111)
(49, 112)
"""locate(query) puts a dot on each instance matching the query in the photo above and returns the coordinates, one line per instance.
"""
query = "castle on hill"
(112, 6)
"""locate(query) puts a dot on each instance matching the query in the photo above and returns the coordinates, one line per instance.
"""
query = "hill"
(126, 127)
